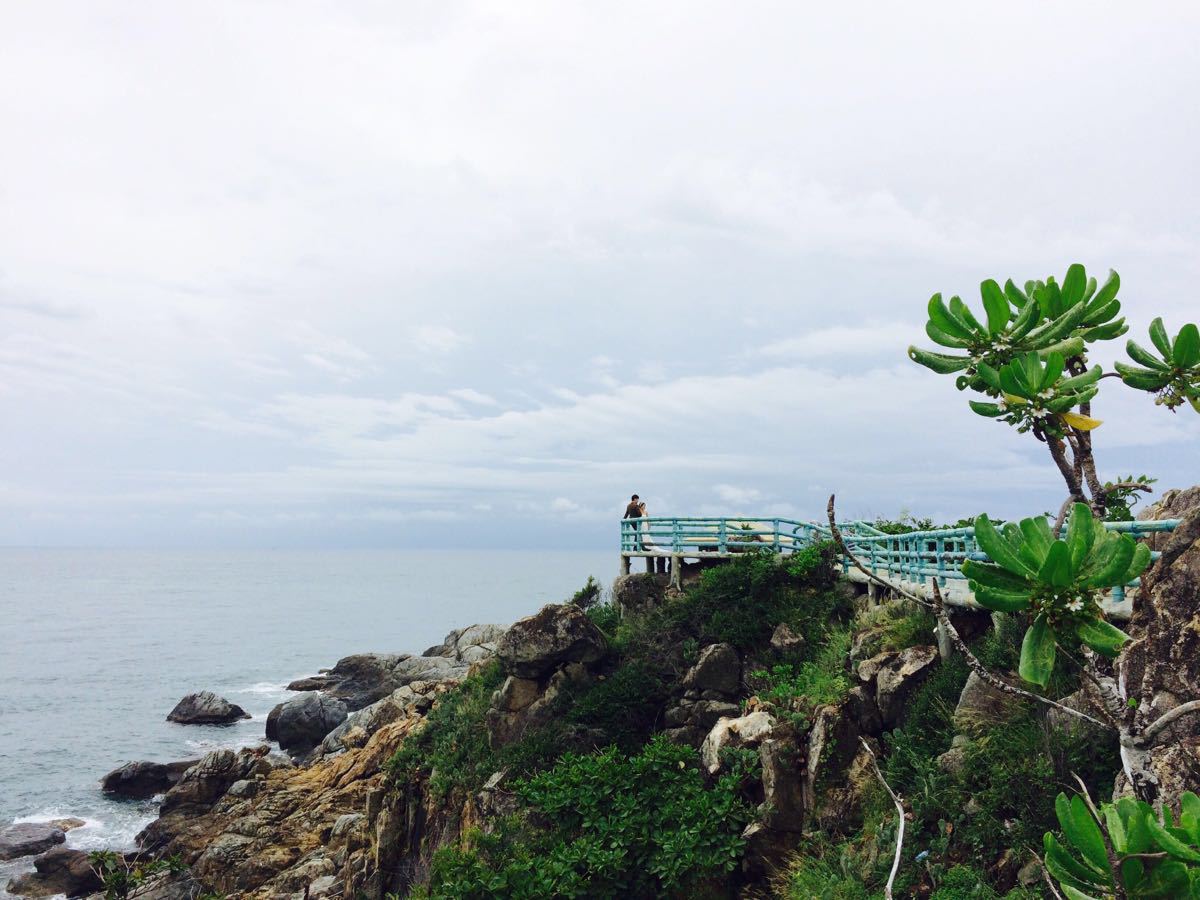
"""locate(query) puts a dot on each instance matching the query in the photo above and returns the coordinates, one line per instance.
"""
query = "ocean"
(97, 646)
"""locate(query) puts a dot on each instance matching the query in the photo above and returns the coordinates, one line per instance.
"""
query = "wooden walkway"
(910, 561)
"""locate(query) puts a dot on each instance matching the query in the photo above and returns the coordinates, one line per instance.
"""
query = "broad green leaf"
(1037, 655)
(1085, 834)
(1170, 843)
(996, 306)
(946, 340)
(990, 376)
(1137, 565)
(1132, 873)
(1189, 808)
(1112, 562)
(1116, 828)
(1054, 369)
(1140, 354)
(995, 546)
(1037, 537)
(995, 577)
(1016, 296)
(1074, 893)
(1056, 570)
(1080, 534)
(1033, 372)
(1168, 879)
(962, 311)
(998, 600)
(1067, 869)
(1074, 284)
(989, 410)
(1137, 836)
(1158, 336)
(1107, 291)
(1102, 637)
(942, 363)
(1185, 353)
(1012, 381)
(944, 320)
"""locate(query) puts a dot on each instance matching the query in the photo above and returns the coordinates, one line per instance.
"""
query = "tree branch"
(854, 561)
(939, 609)
(1149, 732)
(887, 888)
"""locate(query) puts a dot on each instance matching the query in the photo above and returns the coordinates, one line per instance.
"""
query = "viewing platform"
(908, 561)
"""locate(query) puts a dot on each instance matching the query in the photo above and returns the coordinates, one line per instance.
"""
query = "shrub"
(797, 691)
(588, 595)
(606, 825)
(606, 616)
(624, 705)
(452, 748)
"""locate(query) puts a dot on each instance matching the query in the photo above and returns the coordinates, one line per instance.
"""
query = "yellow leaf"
(1083, 423)
(1014, 400)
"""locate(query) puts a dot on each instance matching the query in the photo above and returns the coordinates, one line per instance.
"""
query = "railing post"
(721, 536)
(677, 538)
(941, 562)
(776, 535)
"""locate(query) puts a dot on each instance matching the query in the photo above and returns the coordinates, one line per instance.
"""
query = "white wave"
(264, 687)
(207, 745)
(115, 831)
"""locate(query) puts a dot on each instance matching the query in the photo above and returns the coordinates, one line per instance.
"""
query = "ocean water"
(97, 646)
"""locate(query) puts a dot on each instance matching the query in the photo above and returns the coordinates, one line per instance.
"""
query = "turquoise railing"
(915, 557)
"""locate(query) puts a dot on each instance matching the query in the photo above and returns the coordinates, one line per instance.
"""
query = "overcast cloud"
(470, 274)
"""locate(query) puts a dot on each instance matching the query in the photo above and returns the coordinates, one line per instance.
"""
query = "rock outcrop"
(58, 872)
(743, 732)
(893, 676)
(28, 839)
(141, 780)
(557, 635)
(206, 708)
(303, 721)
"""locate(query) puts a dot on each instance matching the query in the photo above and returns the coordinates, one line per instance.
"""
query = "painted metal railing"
(916, 557)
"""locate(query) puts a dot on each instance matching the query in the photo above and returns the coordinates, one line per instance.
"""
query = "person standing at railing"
(635, 510)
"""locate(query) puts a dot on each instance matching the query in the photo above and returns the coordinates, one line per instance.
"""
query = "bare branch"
(939, 609)
(887, 888)
(854, 561)
(1046, 877)
(1167, 718)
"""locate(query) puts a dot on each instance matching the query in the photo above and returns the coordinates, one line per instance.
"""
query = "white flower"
(1075, 605)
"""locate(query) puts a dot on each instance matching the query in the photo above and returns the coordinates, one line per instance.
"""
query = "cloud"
(438, 339)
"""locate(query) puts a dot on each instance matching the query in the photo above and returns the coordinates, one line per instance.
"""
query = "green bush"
(624, 706)
(606, 825)
(452, 748)
(741, 603)
(798, 691)
(588, 595)
(606, 616)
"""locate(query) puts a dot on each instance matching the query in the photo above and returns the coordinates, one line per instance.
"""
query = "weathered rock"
(68, 824)
(896, 674)
(1162, 666)
(428, 668)
(783, 638)
(981, 707)
(206, 708)
(515, 694)
(719, 669)
(304, 721)
(557, 635)
(782, 781)
(56, 872)
(28, 839)
(140, 780)
(860, 708)
(361, 679)
(635, 594)
(745, 731)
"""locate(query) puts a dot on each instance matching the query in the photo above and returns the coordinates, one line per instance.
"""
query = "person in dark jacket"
(635, 510)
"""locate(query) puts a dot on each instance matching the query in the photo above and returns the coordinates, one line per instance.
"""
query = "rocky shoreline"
(332, 740)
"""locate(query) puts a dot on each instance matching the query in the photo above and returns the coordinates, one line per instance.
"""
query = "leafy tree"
(1028, 356)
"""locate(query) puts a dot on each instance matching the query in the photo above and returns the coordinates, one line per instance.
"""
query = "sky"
(470, 274)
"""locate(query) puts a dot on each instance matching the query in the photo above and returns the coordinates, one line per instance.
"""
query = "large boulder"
(140, 780)
(357, 680)
(470, 644)
(557, 635)
(895, 674)
(206, 708)
(718, 669)
(303, 721)
(58, 872)
(744, 731)
(634, 594)
(28, 839)
(982, 707)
